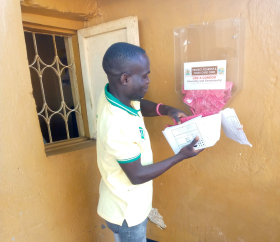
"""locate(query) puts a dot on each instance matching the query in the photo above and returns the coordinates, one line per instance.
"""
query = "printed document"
(208, 129)
(232, 127)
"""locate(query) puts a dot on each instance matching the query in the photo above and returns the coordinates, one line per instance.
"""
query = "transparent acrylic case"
(209, 41)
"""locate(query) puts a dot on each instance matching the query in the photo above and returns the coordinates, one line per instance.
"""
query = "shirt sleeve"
(123, 143)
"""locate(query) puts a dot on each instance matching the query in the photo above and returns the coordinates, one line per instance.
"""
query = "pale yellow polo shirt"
(122, 138)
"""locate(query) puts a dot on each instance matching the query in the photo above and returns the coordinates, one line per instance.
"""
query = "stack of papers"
(208, 130)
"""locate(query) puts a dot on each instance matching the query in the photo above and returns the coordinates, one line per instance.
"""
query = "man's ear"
(124, 79)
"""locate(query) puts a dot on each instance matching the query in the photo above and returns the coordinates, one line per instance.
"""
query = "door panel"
(93, 43)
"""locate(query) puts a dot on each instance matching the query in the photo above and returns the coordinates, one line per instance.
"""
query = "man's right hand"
(138, 174)
(189, 151)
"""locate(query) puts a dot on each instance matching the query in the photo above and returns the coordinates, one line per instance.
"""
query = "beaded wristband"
(158, 109)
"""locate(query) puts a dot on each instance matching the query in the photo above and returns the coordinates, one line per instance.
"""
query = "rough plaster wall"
(41, 198)
(230, 192)
(72, 9)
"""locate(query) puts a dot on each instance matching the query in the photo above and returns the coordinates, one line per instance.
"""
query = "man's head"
(127, 67)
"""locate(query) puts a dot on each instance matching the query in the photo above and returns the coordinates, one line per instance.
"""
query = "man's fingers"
(195, 140)
(183, 115)
(177, 119)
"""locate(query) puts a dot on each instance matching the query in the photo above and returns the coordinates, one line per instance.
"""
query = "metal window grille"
(58, 67)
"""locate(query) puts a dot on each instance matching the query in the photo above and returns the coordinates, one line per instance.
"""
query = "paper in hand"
(208, 130)
(232, 127)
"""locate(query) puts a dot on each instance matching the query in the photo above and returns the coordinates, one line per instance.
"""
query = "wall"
(41, 198)
(230, 192)
(74, 10)
(218, 196)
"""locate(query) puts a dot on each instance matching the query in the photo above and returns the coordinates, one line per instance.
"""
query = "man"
(124, 154)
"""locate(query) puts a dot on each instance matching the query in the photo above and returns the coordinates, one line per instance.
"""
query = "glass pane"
(72, 125)
(58, 128)
(37, 92)
(67, 88)
(29, 47)
(61, 50)
(45, 47)
(52, 90)
(44, 130)
(52, 81)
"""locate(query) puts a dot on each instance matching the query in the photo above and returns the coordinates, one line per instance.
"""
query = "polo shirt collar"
(116, 102)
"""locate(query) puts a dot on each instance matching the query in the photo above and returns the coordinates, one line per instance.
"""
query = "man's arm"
(138, 174)
(148, 109)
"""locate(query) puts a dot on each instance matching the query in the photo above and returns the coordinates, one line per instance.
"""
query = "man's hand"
(189, 151)
(138, 174)
(148, 109)
(174, 113)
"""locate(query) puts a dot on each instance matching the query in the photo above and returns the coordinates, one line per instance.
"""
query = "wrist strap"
(158, 109)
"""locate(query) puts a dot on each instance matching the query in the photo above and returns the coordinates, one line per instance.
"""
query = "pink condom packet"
(183, 120)
(203, 101)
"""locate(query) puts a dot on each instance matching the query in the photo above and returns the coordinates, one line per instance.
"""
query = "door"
(93, 43)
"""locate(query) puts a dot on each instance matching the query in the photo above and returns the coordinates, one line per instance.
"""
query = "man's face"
(139, 79)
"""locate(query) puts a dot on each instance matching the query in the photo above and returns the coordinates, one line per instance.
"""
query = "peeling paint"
(75, 10)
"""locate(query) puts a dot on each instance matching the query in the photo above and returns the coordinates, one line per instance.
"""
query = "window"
(53, 75)
(54, 83)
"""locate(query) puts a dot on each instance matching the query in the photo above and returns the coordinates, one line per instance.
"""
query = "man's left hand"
(175, 113)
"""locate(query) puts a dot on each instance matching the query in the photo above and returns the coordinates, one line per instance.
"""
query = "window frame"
(78, 31)
(31, 25)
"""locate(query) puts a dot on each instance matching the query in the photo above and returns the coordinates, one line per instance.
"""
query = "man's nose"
(148, 80)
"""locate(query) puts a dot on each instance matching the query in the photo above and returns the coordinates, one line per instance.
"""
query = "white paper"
(205, 75)
(232, 127)
(208, 130)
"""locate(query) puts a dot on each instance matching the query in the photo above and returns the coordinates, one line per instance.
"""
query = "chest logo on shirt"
(142, 133)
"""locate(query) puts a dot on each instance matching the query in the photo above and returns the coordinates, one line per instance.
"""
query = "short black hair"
(118, 55)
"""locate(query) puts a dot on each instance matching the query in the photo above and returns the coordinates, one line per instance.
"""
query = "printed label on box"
(205, 75)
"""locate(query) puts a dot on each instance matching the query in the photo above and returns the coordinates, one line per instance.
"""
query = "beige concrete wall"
(218, 196)
(41, 198)
(230, 192)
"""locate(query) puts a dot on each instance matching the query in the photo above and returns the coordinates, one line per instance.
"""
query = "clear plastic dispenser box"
(209, 60)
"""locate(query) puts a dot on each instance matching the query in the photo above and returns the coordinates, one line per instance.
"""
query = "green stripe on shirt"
(132, 159)
(117, 103)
